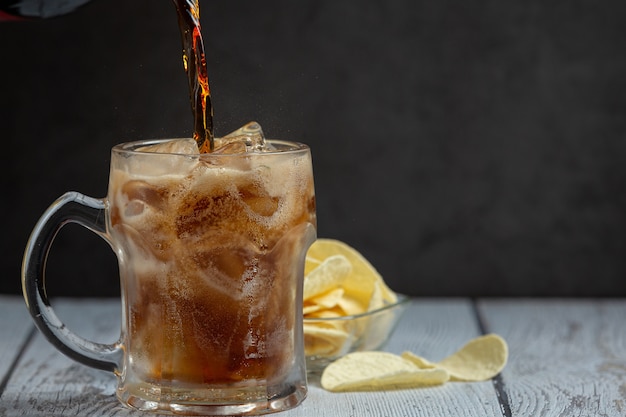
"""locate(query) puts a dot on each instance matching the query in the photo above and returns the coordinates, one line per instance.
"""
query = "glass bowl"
(327, 339)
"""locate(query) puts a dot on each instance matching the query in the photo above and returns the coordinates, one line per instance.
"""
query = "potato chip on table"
(373, 371)
(480, 359)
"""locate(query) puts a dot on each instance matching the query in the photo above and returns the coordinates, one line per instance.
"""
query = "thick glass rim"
(279, 147)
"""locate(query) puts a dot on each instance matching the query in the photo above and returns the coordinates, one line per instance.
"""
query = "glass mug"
(211, 251)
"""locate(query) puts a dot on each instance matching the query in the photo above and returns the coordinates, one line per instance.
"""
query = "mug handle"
(71, 207)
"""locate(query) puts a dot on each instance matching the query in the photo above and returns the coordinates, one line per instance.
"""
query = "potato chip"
(308, 309)
(330, 299)
(480, 359)
(362, 281)
(328, 313)
(372, 371)
(310, 264)
(323, 340)
(422, 363)
(330, 274)
(350, 306)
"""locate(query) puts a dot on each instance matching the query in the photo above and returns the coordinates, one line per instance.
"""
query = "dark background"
(464, 147)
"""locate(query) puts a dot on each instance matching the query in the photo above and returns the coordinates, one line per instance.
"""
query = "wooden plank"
(46, 383)
(15, 328)
(567, 357)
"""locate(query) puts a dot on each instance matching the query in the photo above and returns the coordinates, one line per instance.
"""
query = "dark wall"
(465, 148)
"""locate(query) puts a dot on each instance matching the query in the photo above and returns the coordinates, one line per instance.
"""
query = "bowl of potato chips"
(346, 304)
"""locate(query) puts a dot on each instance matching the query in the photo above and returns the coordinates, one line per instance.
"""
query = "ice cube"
(142, 191)
(174, 157)
(178, 146)
(248, 138)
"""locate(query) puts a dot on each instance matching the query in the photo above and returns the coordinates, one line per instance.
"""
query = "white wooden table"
(567, 358)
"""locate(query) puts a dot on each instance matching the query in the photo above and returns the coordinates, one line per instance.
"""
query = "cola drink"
(214, 248)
